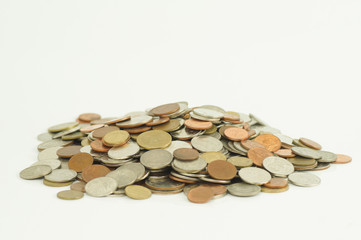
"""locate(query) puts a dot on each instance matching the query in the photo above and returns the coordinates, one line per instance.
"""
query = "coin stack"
(205, 152)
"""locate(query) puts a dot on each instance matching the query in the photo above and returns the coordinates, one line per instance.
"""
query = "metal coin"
(172, 125)
(186, 154)
(123, 152)
(35, 172)
(200, 194)
(208, 113)
(73, 136)
(278, 166)
(342, 158)
(310, 143)
(101, 187)
(66, 132)
(243, 189)
(138, 192)
(45, 136)
(321, 166)
(301, 161)
(70, 195)
(56, 184)
(257, 155)
(274, 190)
(156, 159)
(186, 133)
(135, 121)
(124, 177)
(327, 157)
(61, 175)
(240, 162)
(190, 166)
(94, 171)
(116, 138)
(207, 144)
(68, 151)
(163, 184)
(304, 179)
(254, 175)
(211, 180)
(80, 161)
(306, 152)
(78, 186)
(62, 126)
(271, 142)
(48, 154)
(137, 168)
(177, 145)
(53, 163)
(101, 132)
(154, 139)
(213, 156)
(53, 143)
(222, 170)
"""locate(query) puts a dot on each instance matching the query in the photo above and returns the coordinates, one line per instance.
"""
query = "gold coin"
(154, 139)
(70, 195)
(73, 136)
(213, 156)
(213, 129)
(62, 127)
(240, 161)
(137, 192)
(169, 126)
(273, 190)
(56, 184)
(116, 138)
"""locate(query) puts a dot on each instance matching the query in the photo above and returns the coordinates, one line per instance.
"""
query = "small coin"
(207, 144)
(342, 158)
(176, 145)
(35, 172)
(212, 180)
(248, 144)
(154, 139)
(304, 179)
(271, 142)
(125, 151)
(62, 127)
(88, 129)
(124, 177)
(243, 189)
(137, 129)
(213, 156)
(222, 170)
(88, 117)
(137, 168)
(306, 152)
(254, 175)
(53, 163)
(321, 166)
(101, 186)
(94, 171)
(186, 154)
(217, 189)
(73, 136)
(197, 124)
(98, 146)
(56, 184)
(164, 184)
(116, 138)
(165, 109)
(101, 132)
(61, 175)
(78, 186)
(209, 113)
(301, 161)
(240, 162)
(68, 151)
(235, 134)
(327, 157)
(80, 161)
(45, 136)
(70, 195)
(66, 132)
(276, 182)
(53, 143)
(287, 153)
(310, 143)
(278, 166)
(211, 130)
(200, 194)
(274, 190)
(138, 192)
(258, 154)
(190, 166)
(172, 125)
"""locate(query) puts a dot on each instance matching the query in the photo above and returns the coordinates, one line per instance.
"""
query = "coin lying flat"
(135, 121)
(68, 151)
(135, 167)
(254, 175)
(207, 144)
(274, 190)
(78, 186)
(240, 162)
(213, 156)
(56, 184)
(156, 159)
(342, 158)
(243, 189)
(164, 184)
(125, 151)
(222, 170)
(34, 172)
(62, 127)
(176, 145)
(200, 194)
(190, 166)
(48, 154)
(165, 109)
(198, 124)
(124, 177)
(70, 195)
(116, 138)
(306, 152)
(154, 139)
(61, 175)
(53, 163)
(271, 142)
(80, 161)
(53, 143)
(304, 179)
(186, 154)
(327, 157)
(310, 143)
(101, 132)
(138, 192)
(278, 166)
(258, 154)
(94, 171)
(235, 134)
(101, 187)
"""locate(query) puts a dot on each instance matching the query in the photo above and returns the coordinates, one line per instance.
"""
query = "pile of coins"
(205, 152)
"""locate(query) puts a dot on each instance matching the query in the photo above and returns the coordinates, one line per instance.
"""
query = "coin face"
(327, 157)
(61, 175)
(342, 158)
(243, 189)
(88, 117)
(125, 151)
(190, 166)
(304, 179)
(207, 144)
(287, 153)
(116, 138)
(235, 134)
(208, 113)
(240, 162)
(271, 142)
(200, 194)
(98, 146)
(62, 127)
(138, 192)
(213, 156)
(172, 125)
(101, 186)
(254, 175)
(186, 154)
(94, 171)
(222, 170)
(156, 159)
(101, 132)
(135, 167)
(45, 136)
(124, 177)
(258, 154)
(197, 124)
(310, 143)
(276, 182)
(80, 161)
(70, 195)
(154, 139)
(68, 151)
(34, 172)
(176, 145)
(306, 152)
(135, 121)
(53, 163)
(48, 154)
(278, 166)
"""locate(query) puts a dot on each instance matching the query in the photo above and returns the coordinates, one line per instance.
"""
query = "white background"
(295, 64)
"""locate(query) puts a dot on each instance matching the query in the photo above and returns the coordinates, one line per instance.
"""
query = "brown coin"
(271, 142)
(69, 151)
(222, 170)
(80, 161)
(158, 121)
(200, 194)
(236, 134)
(197, 124)
(180, 179)
(101, 132)
(285, 153)
(276, 182)
(94, 171)
(235, 121)
(310, 143)
(98, 146)
(88, 117)
(165, 109)
(80, 121)
(88, 129)
(138, 129)
(78, 186)
(258, 154)
(217, 189)
(186, 154)
(248, 144)
(341, 158)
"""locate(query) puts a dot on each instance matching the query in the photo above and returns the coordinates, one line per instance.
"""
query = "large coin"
(101, 187)
(156, 159)
(61, 175)
(207, 144)
(254, 175)
(35, 172)
(243, 189)
(278, 166)
(304, 179)
(306, 152)
(125, 151)
(124, 177)
(190, 166)
(154, 139)
(138, 192)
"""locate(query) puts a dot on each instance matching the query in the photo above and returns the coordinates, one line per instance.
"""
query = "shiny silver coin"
(49, 153)
(35, 172)
(53, 163)
(125, 151)
(254, 175)
(101, 187)
(327, 157)
(45, 136)
(61, 175)
(190, 166)
(207, 144)
(243, 189)
(198, 117)
(304, 179)
(54, 143)
(278, 166)
(176, 145)
(156, 159)
(306, 152)
(321, 166)
(124, 177)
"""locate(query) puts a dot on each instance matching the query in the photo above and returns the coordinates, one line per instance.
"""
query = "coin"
(124, 177)
(211, 130)
(154, 139)
(276, 182)
(164, 184)
(342, 158)
(327, 157)
(69, 151)
(271, 142)
(157, 121)
(138, 192)
(310, 143)
(235, 134)
(186, 154)
(321, 166)
(156, 159)
(190, 166)
(101, 132)
(197, 124)
(240, 162)
(278, 166)
(243, 189)
(304, 179)
(254, 175)
(207, 144)
(48, 154)
(78, 186)
(135, 121)
(248, 144)
(200, 194)
(56, 184)
(62, 127)
(258, 154)
(88, 129)
(53, 163)
(53, 143)
(116, 138)
(165, 109)
(70, 195)
(66, 132)
(61, 175)
(217, 189)
(80, 161)
(285, 153)
(301, 161)
(98, 146)
(88, 117)
(101, 186)
(222, 170)
(274, 190)
(137, 168)
(306, 152)
(94, 171)
(137, 129)
(45, 136)
(176, 145)
(35, 172)
(213, 156)
(172, 125)
(208, 113)
(125, 151)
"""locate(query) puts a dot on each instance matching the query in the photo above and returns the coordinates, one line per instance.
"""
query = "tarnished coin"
(62, 127)
(304, 179)
(135, 121)
(190, 166)
(200, 194)
(138, 192)
(101, 132)
(306, 152)
(124, 177)
(254, 175)
(207, 144)
(235, 134)
(213, 156)
(276, 182)
(154, 139)
(80, 161)
(48, 154)
(197, 124)
(101, 186)
(53, 163)
(61, 175)
(116, 138)
(156, 159)
(310, 143)
(258, 154)
(327, 157)
(70, 195)
(165, 109)
(222, 170)
(240, 162)
(186, 154)
(342, 158)
(35, 172)
(243, 189)
(278, 166)
(125, 151)
(271, 142)
(68, 151)
(94, 171)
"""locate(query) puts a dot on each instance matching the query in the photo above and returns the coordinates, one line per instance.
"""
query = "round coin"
(125, 151)
(186, 154)
(70, 195)
(197, 124)
(342, 158)
(327, 157)
(101, 132)
(135, 121)
(98, 146)
(304, 179)
(62, 127)
(78, 186)
(165, 109)
(69, 151)
(80, 161)
(116, 138)
(138, 192)
(156, 159)
(235, 134)
(254, 175)
(240, 162)
(310, 143)
(157, 121)
(271, 142)
(154, 139)
(306, 152)
(88, 117)
(53, 163)
(243, 189)
(258, 154)
(278, 166)
(222, 170)
(124, 177)
(276, 182)
(200, 194)
(213, 156)
(61, 175)
(94, 171)
(274, 190)
(101, 186)
(56, 184)
(207, 144)
(35, 172)
(190, 166)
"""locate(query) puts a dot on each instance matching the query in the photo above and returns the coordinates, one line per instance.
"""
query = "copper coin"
(94, 171)
(116, 120)
(222, 129)
(98, 146)
(101, 132)
(217, 189)
(186, 154)
(69, 151)
(258, 154)
(88, 129)
(251, 132)
(138, 129)
(248, 144)
(78, 186)
(80, 161)
(271, 142)
(200, 194)
(341, 158)
(197, 124)
(231, 117)
(236, 134)
(276, 182)
(158, 121)
(222, 170)
(80, 121)
(165, 109)
(285, 153)
(88, 117)
(310, 143)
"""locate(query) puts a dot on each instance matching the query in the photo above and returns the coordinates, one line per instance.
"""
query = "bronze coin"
(88, 129)
(310, 143)
(217, 189)
(251, 132)
(285, 153)
(138, 129)
(186, 154)
(246, 126)
(221, 170)
(78, 186)
(342, 158)
(258, 154)
(98, 146)
(231, 117)
(200, 194)
(248, 144)
(69, 151)
(197, 124)
(276, 182)
(165, 109)
(236, 134)
(80, 161)
(88, 117)
(271, 142)
(235, 122)
(101, 132)
(80, 121)
(158, 121)
(94, 171)
(222, 129)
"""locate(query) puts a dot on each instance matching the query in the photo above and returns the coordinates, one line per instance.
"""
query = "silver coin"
(178, 175)
(190, 166)
(304, 179)
(35, 172)
(136, 167)
(244, 117)
(49, 153)
(208, 113)
(156, 159)
(53, 163)
(124, 177)
(239, 147)
(254, 175)
(125, 151)
(53, 143)
(45, 136)
(207, 144)
(61, 175)
(216, 135)
(327, 157)
(278, 166)
(101, 186)
(194, 175)
(268, 130)
(284, 139)
(212, 107)
(243, 189)
(321, 166)
(306, 152)
(186, 133)
(135, 121)
(66, 132)
(62, 126)
(198, 117)
(177, 144)
(211, 180)
(146, 174)
(259, 121)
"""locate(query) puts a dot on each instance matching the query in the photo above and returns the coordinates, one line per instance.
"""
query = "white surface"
(295, 64)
